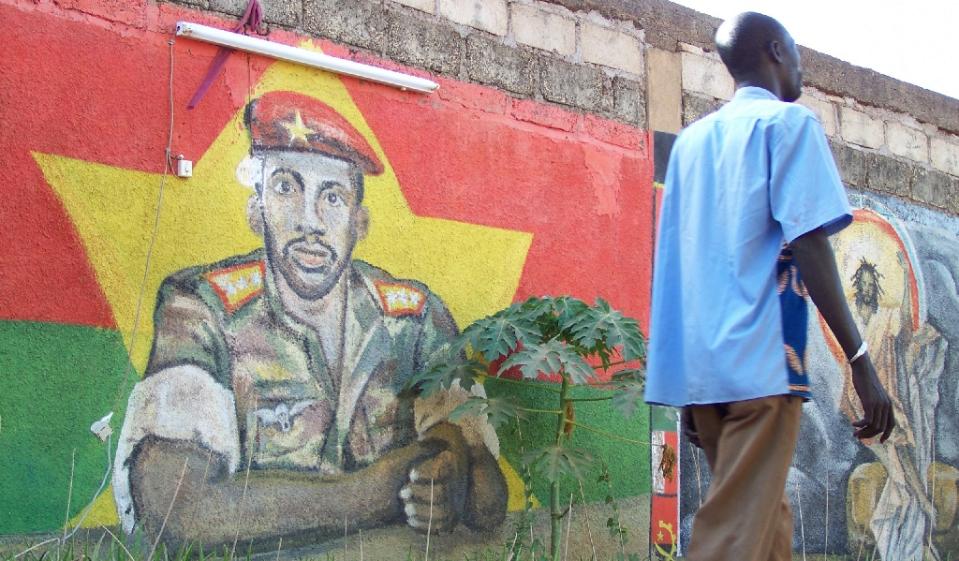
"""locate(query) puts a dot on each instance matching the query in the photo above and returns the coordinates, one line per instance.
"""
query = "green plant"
(567, 339)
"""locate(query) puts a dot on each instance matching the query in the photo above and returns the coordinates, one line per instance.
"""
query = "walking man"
(752, 194)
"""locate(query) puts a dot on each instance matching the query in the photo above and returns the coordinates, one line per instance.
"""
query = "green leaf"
(535, 308)
(586, 328)
(539, 313)
(557, 461)
(550, 357)
(566, 308)
(443, 374)
(629, 394)
(626, 335)
(500, 334)
(601, 328)
(498, 410)
(630, 375)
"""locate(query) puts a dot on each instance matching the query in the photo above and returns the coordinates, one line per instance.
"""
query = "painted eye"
(283, 187)
(333, 199)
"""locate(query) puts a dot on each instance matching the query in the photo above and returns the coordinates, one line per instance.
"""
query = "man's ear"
(254, 214)
(362, 222)
(776, 51)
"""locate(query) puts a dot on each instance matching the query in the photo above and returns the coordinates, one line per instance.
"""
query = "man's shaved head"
(757, 48)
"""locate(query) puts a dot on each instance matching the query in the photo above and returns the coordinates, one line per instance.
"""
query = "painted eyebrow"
(296, 175)
(330, 184)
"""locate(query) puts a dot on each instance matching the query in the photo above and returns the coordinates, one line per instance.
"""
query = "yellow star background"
(475, 269)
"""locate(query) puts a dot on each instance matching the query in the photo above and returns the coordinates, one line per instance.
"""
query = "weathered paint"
(483, 200)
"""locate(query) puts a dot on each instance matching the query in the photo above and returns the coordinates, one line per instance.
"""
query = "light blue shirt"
(740, 183)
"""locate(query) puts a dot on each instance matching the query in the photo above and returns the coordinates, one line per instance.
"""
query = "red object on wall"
(664, 503)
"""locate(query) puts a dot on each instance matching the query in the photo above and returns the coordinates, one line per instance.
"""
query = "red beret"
(292, 121)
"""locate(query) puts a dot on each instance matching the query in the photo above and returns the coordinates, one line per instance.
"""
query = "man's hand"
(689, 427)
(435, 496)
(817, 263)
(878, 417)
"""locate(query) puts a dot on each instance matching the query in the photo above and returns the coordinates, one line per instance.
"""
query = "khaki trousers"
(749, 446)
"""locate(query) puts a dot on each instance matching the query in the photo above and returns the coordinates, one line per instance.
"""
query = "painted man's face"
(312, 219)
(866, 285)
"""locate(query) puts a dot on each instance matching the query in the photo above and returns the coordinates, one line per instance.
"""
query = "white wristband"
(862, 350)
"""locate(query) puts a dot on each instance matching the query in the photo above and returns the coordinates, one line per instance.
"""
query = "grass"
(106, 545)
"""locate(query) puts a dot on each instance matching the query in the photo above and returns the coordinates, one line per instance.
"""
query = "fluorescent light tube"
(303, 56)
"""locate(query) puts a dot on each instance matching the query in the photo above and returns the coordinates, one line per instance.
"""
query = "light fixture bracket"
(303, 56)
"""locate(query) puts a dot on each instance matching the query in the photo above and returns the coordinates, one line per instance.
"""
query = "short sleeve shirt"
(740, 184)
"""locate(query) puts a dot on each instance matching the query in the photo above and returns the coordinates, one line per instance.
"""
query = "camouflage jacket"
(292, 412)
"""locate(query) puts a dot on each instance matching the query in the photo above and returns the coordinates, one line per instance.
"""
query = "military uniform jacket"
(231, 370)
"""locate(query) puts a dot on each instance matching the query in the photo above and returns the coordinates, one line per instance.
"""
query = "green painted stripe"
(629, 465)
(663, 418)
(55, 380)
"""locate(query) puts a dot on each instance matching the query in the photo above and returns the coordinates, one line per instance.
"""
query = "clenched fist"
(435, 496)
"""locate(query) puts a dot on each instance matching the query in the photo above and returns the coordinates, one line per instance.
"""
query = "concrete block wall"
(923, 155)
(529, 49)
(921, 147)
(642, 62)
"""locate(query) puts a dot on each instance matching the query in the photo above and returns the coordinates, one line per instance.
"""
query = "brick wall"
(643, 62)
(877, 148)
(531, 50)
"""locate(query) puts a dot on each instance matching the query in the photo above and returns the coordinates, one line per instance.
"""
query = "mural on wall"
(892, 501)
(897, 500)
(295, 359)
(252, 328)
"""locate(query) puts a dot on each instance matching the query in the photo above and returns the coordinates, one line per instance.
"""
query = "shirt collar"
(754, 92)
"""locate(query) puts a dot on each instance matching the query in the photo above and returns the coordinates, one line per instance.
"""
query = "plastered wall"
(187, 307)
(530, 172)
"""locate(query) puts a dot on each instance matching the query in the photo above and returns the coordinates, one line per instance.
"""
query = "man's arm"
(189, 492)
(817, 264)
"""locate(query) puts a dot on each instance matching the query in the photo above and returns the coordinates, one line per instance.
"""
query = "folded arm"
(189, 492)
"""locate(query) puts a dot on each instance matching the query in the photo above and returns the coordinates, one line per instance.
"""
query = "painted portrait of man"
(275, 402)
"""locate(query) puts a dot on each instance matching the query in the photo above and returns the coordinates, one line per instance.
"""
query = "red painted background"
(80, 85)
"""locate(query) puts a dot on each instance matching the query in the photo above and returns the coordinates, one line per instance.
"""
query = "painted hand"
(435, 495)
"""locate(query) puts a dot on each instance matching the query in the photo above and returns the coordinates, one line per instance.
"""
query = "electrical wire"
(122, 386)
(103, 484)
(167, 167)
